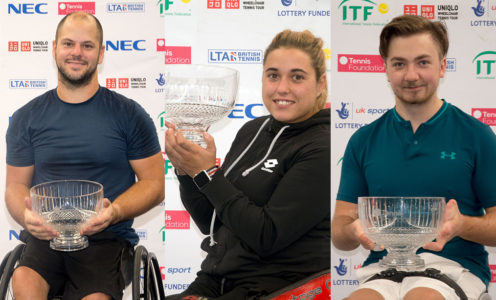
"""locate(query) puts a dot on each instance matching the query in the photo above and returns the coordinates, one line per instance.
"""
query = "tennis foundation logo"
(177, 219)
(66, 8)
(360, 63)
(485, 115)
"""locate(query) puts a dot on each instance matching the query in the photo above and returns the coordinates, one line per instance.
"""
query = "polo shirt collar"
(436, 116)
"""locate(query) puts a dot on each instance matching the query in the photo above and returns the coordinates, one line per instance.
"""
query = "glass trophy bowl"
(197, 96)
(401, 225)
(65, 206)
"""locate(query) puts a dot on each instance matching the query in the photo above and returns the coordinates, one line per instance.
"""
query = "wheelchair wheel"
(7, 268)
(156, 283)
(147, 279)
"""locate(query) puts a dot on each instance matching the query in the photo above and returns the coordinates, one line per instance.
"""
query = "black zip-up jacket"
(273, 211)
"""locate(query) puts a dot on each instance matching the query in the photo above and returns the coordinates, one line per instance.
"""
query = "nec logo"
(27, 8)
(125, 45)
(240, 111)
(14, 235)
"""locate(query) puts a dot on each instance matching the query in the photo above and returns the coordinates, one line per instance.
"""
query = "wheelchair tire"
(156, 283)
(140, 283)
(8, 265)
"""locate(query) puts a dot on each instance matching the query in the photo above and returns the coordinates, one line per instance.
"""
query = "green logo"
(485, 69)
(445, 155)
(164, 5)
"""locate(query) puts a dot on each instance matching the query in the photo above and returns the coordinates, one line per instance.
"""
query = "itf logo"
(485, 64)
(355, 12)
(341, 269)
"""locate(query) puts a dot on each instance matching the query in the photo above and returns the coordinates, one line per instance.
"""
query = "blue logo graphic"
(343, 113)
(125, 7)
(240, 111)
(479, 10)
(234, 56)
(286, 2)
(161, 80)
(27, 8)
(125, 45)
(341, 269)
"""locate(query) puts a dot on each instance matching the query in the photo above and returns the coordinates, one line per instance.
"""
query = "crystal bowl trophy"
(401, 225)
(65, 206)
(197, 96)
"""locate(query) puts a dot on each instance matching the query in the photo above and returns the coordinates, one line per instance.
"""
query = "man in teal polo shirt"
(423, 147)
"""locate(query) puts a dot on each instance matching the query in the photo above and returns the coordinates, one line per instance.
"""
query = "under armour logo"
(269, 164)
(445, 155)
(341, 269)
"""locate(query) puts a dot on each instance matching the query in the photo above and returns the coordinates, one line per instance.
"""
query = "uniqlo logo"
(232, 4)
(123, 83)
(111, 83)
(13, 46)
(214, 4)
(427, 11)
(26, 46)
(177, 219)
(410, 10)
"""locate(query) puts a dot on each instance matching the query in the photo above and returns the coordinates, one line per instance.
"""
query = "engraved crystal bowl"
(402, 225)
(196, 96)
(65, 206)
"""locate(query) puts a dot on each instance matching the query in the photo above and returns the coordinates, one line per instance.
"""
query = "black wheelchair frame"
(139, 268)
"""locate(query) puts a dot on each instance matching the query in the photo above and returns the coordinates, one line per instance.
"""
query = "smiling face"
(77, 51)
(290, 86)
(414, 68)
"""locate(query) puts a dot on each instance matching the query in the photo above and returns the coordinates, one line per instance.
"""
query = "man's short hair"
(404, 26)
(80, 14)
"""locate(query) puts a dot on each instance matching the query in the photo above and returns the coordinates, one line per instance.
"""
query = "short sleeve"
(20, 152)
(485, 169)
(142, 135)
(352, 183)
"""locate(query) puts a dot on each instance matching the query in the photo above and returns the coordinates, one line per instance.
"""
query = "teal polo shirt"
(452, 155)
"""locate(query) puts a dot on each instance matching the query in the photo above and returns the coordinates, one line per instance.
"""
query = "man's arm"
(480, 230)
(18, 181)
(145, 194)
(18, 202)
(346, 231)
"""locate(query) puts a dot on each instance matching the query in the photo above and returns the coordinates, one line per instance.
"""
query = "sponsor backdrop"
(360, 92)
(141, 38)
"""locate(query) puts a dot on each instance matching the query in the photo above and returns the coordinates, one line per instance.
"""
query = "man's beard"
(83, 80)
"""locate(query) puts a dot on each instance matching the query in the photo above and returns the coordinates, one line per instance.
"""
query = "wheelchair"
(139, 268)
(316, 287)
